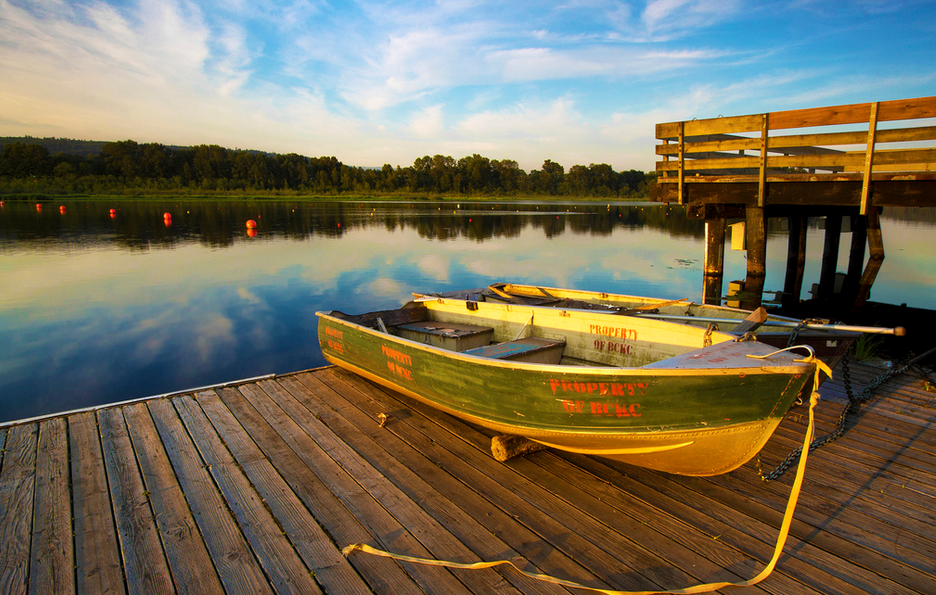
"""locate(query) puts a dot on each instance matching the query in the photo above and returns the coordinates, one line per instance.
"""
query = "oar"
(898, 331)
(753, 321)
(646, 307)
(498, 289)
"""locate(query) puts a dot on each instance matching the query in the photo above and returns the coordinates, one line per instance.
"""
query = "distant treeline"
(28, 165)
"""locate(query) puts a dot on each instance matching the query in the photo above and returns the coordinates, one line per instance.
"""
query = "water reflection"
(97, 309)
(143, 224)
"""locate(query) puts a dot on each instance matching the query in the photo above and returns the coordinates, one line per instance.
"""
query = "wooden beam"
(707, 211)
(682, 162)
(899, 109)
(875, 258)
(856, 255)
(796, 262)
(762, 176)
(851, 161)
(915, 191)
(756, 230)
(869, 159)
(833, 231)
(714, 264)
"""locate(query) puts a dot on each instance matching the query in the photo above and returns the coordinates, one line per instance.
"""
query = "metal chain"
(840, 427)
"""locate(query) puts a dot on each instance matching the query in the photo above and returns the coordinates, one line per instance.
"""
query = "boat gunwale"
(793, 367)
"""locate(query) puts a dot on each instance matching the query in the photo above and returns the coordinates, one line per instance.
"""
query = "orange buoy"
(1, 204)
(113, 211)
(251, 224)
(38, 206)
(62, 209)
(167, 215)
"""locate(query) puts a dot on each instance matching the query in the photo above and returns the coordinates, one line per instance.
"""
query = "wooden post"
(762, 174)
(714, 264)
(869, 157)
(796, 262)
(856, 257)
(830, 254)
(756, 229)
(875, 258)
(681, 181)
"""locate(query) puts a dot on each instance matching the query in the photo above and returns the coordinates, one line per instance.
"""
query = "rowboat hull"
(689, 409)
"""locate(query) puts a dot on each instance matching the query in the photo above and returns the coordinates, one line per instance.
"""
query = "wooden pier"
(255, 488)
(838, 162)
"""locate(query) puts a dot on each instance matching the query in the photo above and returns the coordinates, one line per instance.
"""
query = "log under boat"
(667, 396)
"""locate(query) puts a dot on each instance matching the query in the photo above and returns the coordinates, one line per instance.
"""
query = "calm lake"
(100, 306)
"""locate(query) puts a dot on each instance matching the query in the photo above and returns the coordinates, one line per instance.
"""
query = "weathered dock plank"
(52, 557)
(184, 547)
(144, 561)
(97, 555)
(17, 492)
(279, 560)
(232, 557)
(256, 488)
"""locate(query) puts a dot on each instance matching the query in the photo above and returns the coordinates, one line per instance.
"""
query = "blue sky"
(577, 82)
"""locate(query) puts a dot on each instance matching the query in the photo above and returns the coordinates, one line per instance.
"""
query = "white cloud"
(386, 288)
(434, 266)
(663, 19)
(428, 123)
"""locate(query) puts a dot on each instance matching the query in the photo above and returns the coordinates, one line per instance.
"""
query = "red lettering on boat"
(615, 332)
(333, 332)
(396, 355)
(614, 389)
(399, 370)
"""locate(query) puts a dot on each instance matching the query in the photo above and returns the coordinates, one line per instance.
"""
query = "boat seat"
(531, 349)
(447, 335)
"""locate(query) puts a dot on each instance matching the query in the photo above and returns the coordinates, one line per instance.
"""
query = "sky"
(577, 82)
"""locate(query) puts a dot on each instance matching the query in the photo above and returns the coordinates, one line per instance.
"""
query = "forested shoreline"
(27, 166)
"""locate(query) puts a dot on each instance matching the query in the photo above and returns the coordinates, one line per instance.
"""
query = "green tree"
(24, 160)
(123, 159)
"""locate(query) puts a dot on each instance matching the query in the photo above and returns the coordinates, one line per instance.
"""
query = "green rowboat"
(667, 396)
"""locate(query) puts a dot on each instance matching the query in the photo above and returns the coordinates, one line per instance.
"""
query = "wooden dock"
(843, 161)
(255, 488)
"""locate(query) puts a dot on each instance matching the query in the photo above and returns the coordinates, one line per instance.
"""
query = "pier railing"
(846, 143)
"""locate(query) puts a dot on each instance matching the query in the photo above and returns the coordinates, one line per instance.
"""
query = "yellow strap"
(704, 588)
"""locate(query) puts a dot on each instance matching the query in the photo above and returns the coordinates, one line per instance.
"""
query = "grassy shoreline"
(396, 197)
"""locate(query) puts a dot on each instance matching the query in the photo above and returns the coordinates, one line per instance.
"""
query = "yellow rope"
(703, 588)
